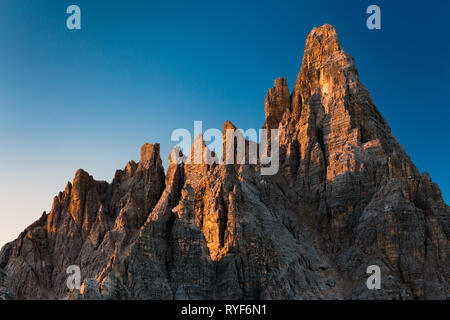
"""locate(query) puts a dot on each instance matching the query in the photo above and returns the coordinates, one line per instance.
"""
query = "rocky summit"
(346, 197)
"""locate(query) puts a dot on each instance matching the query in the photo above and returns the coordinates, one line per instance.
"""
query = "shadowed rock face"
(347, 196)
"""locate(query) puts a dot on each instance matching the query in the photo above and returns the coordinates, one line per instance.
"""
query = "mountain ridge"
(346, 196)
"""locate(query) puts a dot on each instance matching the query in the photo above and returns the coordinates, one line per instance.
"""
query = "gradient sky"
(138, 70)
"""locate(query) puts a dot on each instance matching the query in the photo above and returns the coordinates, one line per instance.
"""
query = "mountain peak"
(346, 196)
(149, 154)
(321, 43)
(325, 34)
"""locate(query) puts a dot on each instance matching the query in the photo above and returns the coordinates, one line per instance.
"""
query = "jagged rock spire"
(276, 103)
(347, 196)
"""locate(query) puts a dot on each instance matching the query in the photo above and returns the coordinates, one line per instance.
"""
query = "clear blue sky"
(138, 70)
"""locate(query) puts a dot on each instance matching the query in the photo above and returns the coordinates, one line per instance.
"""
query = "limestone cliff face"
(346, 196)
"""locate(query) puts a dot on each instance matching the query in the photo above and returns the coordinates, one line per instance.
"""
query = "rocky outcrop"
(276, 103)
(346, 196)
(4, 293)
(90, 222)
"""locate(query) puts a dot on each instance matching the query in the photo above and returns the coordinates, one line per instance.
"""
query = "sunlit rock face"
(346, 197)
